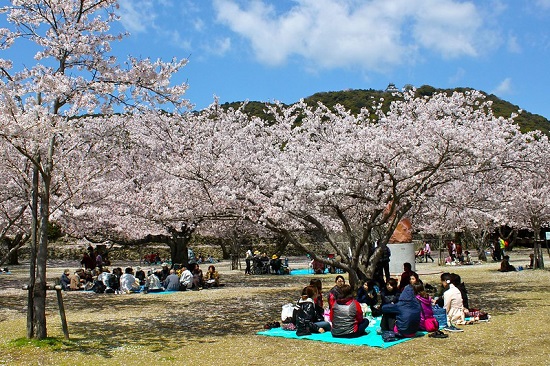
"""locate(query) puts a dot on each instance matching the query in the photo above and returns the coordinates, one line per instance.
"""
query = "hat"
(256, 252)
(274, 256)
(165, 264)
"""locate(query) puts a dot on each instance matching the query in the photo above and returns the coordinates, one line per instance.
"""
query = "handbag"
(431, 324)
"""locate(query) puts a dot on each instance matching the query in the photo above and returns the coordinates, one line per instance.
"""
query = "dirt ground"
(218, 326)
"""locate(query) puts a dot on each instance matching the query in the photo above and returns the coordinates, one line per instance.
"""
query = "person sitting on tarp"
(407, 313)
(367, 295)
(317, 267)
(346, 316)
(505, 265)
(153, 284)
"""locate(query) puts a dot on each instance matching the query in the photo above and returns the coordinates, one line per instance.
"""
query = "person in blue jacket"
(407, 313)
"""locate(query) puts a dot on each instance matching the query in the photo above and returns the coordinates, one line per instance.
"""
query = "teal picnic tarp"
(372, 339)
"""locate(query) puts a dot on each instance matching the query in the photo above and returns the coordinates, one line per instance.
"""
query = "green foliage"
(51, 343)
(54, 231)
(357, 99)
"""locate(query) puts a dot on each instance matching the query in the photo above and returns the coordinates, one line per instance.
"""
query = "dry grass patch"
(217, 327)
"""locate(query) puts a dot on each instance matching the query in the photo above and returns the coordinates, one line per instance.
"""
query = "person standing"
(427, 252)
(248, 261)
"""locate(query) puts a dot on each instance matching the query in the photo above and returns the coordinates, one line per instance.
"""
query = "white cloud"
(545, 4)
(219, 47)
(505, 87)
(369, 35)
(137, 16)
(513, 45)
(458, 76)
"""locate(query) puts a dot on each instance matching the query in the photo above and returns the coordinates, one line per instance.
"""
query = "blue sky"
(289, 49)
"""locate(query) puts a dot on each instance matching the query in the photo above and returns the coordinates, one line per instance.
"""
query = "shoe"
(438, 334)
(452, 328)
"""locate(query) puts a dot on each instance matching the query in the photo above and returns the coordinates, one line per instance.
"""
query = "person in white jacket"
(186, 279)
(452, 302)
(128, 283)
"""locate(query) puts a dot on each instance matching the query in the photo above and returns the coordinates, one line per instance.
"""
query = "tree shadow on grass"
(166, 327)
(495, 299)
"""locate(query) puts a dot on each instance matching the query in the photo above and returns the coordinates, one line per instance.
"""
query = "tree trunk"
(13, 246)
(41, 260)
(13, 257)
(225, 252)
(178, 250)
(538, 260)
(34, 245)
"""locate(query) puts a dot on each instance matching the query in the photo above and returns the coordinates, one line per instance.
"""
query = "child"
(425, 301)
(452, 302)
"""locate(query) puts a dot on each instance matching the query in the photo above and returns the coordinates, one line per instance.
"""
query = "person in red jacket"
(347, 317)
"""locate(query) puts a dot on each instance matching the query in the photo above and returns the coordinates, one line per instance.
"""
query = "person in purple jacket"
(425, 301)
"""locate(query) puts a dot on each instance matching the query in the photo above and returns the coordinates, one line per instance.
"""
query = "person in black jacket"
(389, 295)
(307, 319)
(367, 294)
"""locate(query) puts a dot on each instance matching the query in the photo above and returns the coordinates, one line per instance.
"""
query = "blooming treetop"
(336, 172)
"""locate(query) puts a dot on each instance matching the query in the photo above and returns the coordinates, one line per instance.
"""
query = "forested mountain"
(356, 99)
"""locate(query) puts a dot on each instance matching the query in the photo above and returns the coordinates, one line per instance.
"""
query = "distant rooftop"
(392, 88)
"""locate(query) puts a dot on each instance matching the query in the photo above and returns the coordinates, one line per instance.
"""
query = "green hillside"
(356, 99)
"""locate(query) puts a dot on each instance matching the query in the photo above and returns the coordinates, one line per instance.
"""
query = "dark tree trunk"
(13, 255)
(41, 262)
(281, 245)
(225, 253)
(34, 246)
(178, 250)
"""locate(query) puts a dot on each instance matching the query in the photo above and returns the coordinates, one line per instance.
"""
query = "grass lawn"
(217, 327)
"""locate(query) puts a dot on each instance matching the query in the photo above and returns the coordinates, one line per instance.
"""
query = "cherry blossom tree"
(315, 173)
(14, 202)
(525, 196)
(71, 75)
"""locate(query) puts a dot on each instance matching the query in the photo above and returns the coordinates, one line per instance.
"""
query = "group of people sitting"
(505, 265)
(101, 280)
(405, 307)
(260, 263)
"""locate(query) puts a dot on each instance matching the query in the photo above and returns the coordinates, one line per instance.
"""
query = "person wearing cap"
(248, 261)
(165, 271)
(153, 284)
(275, 264)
